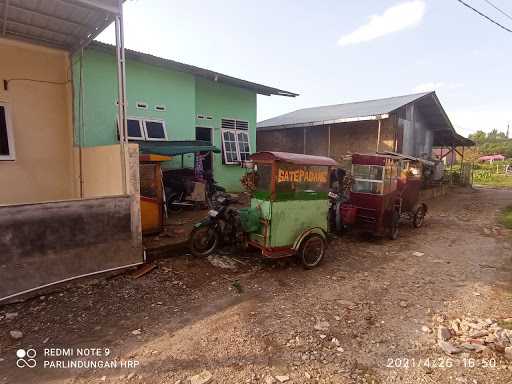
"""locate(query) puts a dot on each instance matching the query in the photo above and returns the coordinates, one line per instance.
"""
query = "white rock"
(322, 326)
(448, 348)
(11, 315)
(418, 254)
(307, 375)
(283, 378)
(335, 341)
(337, 318)
(340, 349)
(136, 332)
(426, 329)
(203, 378)
(129, 377)
(103, 378)
(323, 336)
(403, 304)
(269, 380)
(16, 335)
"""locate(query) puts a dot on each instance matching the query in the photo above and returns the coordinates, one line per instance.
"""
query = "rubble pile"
(475, 335)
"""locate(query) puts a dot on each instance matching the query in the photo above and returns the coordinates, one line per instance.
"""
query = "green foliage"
(492, 143)
(506, 220)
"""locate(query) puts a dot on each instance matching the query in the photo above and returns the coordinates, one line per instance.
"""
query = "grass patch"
(483, 177)
(506, 217)
(507, 324)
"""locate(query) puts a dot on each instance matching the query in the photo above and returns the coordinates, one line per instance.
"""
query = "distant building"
(410, 125)
(448, 157)
(491, 158)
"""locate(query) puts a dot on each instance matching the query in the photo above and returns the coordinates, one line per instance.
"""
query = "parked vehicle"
(221, 227)
(291, 194)
(179, 185)
(386, 188)
(288, 214)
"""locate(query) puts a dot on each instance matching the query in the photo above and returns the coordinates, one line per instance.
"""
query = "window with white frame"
(235, 141)
(146, 129)
(6, 137)
(155, 130)
(135, 129)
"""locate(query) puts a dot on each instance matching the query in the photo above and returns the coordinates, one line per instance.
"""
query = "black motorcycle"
(221, 227)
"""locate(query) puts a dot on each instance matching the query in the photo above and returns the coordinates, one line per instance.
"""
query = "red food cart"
(385, 189)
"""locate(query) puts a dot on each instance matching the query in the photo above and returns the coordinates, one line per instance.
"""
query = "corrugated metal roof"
(329, 114)
(64, 24)
(293, 158)
(426, 102)
(205, 73)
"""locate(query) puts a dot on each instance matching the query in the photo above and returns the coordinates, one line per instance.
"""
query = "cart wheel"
(419, 216)
(312, 250)
(395, 222)
(203, 241)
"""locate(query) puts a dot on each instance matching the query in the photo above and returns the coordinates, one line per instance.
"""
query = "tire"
(419, 216)
(203, 240)
(312, 250)
(394, 226)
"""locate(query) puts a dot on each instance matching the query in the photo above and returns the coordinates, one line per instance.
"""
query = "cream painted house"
(36, 162)
(65, 211)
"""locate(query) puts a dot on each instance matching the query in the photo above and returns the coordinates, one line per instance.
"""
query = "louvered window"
(235, 141)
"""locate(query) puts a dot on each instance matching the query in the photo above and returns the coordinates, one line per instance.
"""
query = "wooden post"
(451, 165)
(304, 144)
(378, 136)
(329, 142)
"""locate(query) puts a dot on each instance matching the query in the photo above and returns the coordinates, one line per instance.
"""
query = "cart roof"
(379, 158)
(293, 158)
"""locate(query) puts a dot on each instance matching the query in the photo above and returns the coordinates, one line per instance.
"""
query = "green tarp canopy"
(174, 148)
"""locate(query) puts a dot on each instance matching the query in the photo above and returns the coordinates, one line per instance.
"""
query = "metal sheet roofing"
(201, 72)
(64, 24)
(427, 102)
(174, 148)
(293, 158)
(330, 114)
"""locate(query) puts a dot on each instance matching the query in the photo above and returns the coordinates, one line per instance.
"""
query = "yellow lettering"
(280, 176)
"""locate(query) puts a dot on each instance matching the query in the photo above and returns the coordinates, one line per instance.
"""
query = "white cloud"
(434, 86)
(485, 118)
(401, 16)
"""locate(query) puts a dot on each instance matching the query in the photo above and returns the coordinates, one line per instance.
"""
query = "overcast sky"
(340, 51)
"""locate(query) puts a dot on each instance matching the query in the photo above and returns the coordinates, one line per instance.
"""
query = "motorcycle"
(222, 226)
(179, 187)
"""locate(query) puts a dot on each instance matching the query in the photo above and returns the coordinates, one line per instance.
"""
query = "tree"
(478, 137)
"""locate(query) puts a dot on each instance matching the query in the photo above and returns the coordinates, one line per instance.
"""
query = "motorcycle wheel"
(203, 241)
(394, 227)
(419, 216)
(312, 250)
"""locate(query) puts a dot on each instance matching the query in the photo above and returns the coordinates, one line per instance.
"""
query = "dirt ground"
(360, 317)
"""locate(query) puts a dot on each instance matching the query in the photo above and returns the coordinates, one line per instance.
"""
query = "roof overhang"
(62, 24)
(438, 121)
(201, 72)
(326, 122)
(175, 148)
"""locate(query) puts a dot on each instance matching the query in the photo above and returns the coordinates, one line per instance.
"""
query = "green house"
(168, 101)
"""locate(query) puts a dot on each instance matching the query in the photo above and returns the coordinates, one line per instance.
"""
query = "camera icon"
(26, 358)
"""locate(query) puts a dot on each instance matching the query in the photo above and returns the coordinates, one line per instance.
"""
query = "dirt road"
(368, 314)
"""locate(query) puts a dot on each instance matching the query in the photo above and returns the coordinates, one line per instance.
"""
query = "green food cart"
(291, 194)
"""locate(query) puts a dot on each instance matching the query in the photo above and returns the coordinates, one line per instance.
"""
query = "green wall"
(184, 95)
(218, 101)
